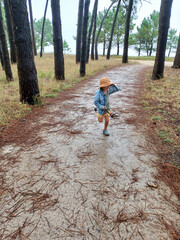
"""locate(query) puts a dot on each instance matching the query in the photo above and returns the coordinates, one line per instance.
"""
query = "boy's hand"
(104, 107)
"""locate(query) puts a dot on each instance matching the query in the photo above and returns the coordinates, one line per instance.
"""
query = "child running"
(101, 100)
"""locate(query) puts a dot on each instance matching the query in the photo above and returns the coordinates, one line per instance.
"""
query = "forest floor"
(61, 178)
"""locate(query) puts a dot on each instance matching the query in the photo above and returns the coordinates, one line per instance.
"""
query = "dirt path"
(65, 180)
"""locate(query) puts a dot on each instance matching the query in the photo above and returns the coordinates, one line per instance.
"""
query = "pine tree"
(28, 82)
(7, 66)
(58, 42)
(164, 19)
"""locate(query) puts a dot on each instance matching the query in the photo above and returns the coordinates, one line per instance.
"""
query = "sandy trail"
(75, 183)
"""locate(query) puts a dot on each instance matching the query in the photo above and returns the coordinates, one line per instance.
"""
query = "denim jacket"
(100, 98)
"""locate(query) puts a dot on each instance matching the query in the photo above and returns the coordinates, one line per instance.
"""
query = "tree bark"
(164, 19)
(126, 37)
(89, 35)
(10, 32)
(42, 35)
(104, 47)
(58, 42)
(32, 27)
(99, 31)
(28, 82)
(112, 31)
(7, 66)
(176, 63)
(84, 39)
(79, 31)
(169, 52)
(94, 31)
(118, 48)
(1, 56)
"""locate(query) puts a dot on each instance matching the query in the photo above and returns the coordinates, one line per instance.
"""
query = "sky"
(69, 13)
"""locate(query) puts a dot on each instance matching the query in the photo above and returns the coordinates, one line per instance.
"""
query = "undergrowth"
(161, 100)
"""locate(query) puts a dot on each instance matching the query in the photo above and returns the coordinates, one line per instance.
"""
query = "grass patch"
(161, 99)
(49, 88)
(157, 118)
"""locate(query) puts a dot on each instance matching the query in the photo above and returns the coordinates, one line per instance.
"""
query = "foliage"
(146, 37)
(66, 47)
(119, 27)
(48, 33)
(172, 40)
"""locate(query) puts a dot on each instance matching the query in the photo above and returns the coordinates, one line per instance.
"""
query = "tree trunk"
(32, 28)
(84, 39)
(1, 56)
(10, 33)
(28, 82)
(176, 63)
(139, 52)
(104, 46)
(42, 34)
(99, 31)
(118, 48)
(169, 52)
(112, 31)
(89, 35)
(164, 19)
(79, 31)
(126, 37)
(58, 42)
(7, 66)
(94, 31)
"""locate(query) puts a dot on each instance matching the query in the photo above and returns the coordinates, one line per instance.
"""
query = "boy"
(101, 100)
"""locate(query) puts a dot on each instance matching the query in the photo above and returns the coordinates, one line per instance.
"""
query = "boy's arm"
(113, 88)
(96, 101)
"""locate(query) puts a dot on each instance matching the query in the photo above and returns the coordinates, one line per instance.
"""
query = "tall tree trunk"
(42, 34)
(7, 66)
(99, 31)
(32, 27)
(10, 33)
(112, 31)
(126, 37)
(139, 52)
(150, 51)
(169, 51)
(1, 56)
(79, 31)
(164, 19)
(94, 31)
(58, 42)
(118, 48)
(104, 46)
(28, 82)
(176, 63)
(84, 39)
(89, 34)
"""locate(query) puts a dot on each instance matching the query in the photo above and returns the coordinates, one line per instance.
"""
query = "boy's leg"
(100, 119)
(106, 122)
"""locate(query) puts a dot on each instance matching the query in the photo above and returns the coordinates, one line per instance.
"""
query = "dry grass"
(161, 99)
(162, 102)
(11, 108)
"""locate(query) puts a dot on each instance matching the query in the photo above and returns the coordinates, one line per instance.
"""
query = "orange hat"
(105, 82)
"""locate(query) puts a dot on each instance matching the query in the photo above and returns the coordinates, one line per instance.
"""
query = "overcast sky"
(69, 12)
